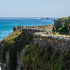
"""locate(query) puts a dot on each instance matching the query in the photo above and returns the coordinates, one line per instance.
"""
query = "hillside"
(35, 49)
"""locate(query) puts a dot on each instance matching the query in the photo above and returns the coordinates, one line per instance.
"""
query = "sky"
(34, 8)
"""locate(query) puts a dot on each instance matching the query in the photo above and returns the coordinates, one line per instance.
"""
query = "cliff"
(13, 45)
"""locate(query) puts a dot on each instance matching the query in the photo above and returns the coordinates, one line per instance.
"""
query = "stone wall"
(42, 27)
(18, 28)
(53, 41)
(32, 31)
(44, 38)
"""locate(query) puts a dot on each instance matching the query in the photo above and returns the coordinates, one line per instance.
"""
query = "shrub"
(62, 24)
(63, 29)
(35, 57)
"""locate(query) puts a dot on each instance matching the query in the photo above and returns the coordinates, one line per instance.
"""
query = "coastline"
(43, 27)
(39, 34)
(6, 25)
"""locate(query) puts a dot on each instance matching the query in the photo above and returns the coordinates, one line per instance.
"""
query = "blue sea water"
(7, 24)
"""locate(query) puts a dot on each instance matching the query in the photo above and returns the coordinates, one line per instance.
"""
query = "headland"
(27, 44)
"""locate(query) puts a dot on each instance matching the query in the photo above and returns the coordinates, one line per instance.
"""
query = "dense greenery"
(63, 18)
(35, 57)
(63, 26)
(8, 45)
(13, 44)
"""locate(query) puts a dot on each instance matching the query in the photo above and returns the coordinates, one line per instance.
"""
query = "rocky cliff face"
(45, 37)
(17, 41)
(55, 41)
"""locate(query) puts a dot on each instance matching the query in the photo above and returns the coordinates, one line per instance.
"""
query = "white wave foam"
(38, 18)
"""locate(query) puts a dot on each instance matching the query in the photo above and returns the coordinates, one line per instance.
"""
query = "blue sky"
(34, 8)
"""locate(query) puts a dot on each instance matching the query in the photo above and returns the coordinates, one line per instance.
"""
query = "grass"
(63, 18)
(59, 33)
(62, 34)
(12, 36)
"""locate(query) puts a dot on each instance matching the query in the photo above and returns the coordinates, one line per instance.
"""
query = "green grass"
(63, 18)
(12, 36)
(62, 33)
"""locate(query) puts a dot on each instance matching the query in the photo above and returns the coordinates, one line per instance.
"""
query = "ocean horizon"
(7, 23)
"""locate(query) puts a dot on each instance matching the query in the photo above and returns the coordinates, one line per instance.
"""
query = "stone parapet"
(63, 43)
(45, 37)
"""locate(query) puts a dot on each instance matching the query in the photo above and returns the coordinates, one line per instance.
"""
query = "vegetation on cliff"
(13, 44)
(9, 44)
(35, 57)
(63, 18)
(62, 24)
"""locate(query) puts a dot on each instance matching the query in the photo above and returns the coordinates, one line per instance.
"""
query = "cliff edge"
(25, 36)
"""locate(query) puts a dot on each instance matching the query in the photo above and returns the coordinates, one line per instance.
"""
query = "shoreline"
(41, 27)
(44, 27)
(42, 37)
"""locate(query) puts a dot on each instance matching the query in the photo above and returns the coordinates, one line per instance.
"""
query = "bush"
(63, 29)
(35, 57)
(62, 24)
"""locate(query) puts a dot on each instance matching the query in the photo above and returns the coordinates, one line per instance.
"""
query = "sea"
(7, 23)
